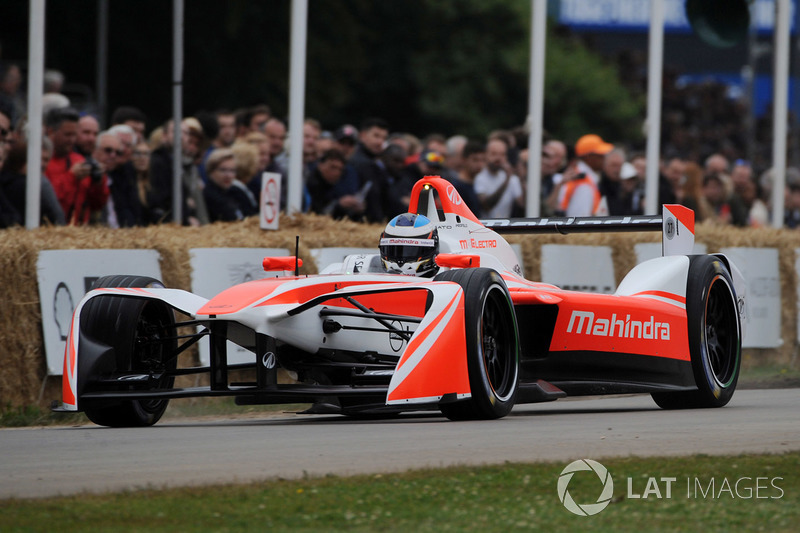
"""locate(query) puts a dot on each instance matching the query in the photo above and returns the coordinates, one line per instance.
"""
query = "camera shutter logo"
(586, 509)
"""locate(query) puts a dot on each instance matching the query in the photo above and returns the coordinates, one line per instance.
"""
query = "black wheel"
(135, 329)
(715, 342)
(492, 345)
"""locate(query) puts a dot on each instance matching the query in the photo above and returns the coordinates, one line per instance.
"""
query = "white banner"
(270, 200)
(216, 269)
(759, 266)
(579, 268)
(66, 275)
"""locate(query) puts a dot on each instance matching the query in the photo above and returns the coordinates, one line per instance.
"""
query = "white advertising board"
(579, 268)
(270, 201)
(216, 269)
(759, 266)
(650, 250)
(66, 275)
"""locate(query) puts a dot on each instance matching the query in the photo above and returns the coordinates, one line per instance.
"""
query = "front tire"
(715, 342)
(135, 328)
(492, 345)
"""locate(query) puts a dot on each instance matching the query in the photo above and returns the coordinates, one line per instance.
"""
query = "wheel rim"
(721, 332)
(149, 353)
(498, 344)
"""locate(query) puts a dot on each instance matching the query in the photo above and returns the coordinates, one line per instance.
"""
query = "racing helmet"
(409, 245)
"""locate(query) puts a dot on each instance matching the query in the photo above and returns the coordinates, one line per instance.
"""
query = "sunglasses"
(4, 132)
(110, 151)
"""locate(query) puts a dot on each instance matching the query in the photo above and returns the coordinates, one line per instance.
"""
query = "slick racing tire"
(135, 329)
(492, 345)
(715, 342)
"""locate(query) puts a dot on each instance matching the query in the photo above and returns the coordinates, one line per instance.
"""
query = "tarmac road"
(39, 462)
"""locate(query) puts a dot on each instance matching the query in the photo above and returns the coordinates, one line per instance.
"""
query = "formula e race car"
(470, 338)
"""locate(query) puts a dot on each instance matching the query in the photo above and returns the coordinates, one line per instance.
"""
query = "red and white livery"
(471, 342)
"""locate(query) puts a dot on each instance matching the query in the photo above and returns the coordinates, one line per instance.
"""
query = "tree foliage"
(451, 66)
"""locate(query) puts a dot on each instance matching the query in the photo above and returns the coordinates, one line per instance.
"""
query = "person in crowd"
(693, 196)
(791, 210)
(757, 212)
(591, 150)
(497, 187)
(263, 161)
(312, 129)
(52, 101)
(130, 116)
(387, 185)
(13, 182)
(252, 119)
(741, 173)
(88, 128)
(630, 200)
(249, 166)
(225, 201)
(725, 208)
(226, 134)
(610, 181)
(578, 193)
(7, 137)
(140, 159)
(371, 139)
(333, 192)
(325, 142)
(81, 187)
(455, 147)
(672, 180)
(194, 212)
(346, 139)
(53, 81)
(275, 130)
(124, 208)
(717, 164)
(10, 96)
(473, 161)
(554, 159)
(9, 216)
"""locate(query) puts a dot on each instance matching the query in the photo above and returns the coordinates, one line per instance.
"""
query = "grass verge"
(739, 493)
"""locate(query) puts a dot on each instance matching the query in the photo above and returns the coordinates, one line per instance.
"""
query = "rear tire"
(715, 342)
(492, 345)
(133, 327)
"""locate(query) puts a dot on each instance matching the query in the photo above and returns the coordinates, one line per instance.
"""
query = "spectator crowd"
(123, 176)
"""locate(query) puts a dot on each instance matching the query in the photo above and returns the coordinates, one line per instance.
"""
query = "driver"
(409, 245)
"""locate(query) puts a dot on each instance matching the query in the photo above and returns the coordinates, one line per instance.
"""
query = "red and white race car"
(471, 341)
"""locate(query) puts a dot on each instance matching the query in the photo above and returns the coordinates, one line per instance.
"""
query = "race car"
(441, 319)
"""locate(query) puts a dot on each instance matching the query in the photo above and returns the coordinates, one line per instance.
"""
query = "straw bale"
(23, 372)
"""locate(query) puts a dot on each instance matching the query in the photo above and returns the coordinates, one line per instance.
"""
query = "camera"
(94, 170)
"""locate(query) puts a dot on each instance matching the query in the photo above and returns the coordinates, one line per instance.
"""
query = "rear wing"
(676, 226)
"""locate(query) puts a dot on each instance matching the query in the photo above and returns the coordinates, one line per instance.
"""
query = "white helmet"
(409, 246)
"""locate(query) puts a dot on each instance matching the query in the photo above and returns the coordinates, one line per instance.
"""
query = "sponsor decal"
(475, 243)
(585, 323)
(400, 241)
(453, 195)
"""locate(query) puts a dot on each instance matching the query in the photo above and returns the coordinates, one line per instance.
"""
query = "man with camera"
(80, 183)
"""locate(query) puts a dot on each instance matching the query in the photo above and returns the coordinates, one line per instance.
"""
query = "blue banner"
(634, 15)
